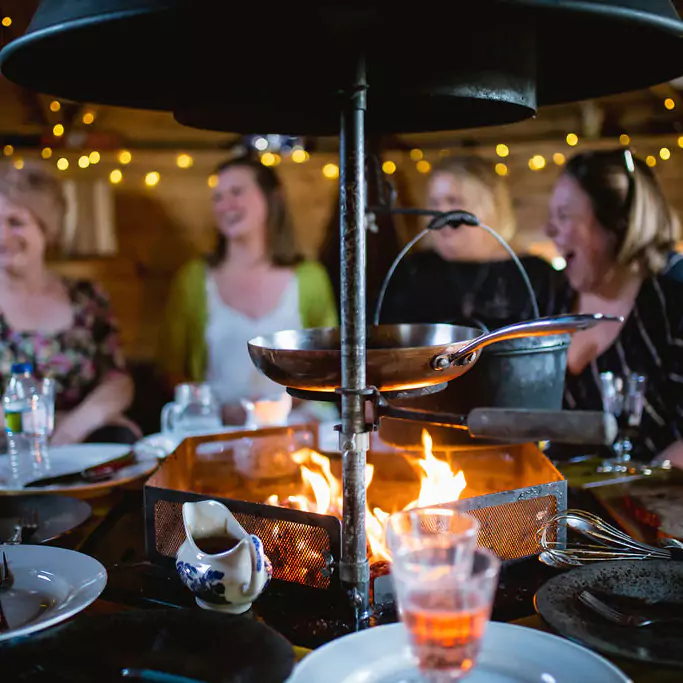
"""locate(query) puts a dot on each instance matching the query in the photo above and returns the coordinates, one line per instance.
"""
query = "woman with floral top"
(65, 328)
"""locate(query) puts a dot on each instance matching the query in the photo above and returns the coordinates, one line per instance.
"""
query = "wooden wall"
(159, 228)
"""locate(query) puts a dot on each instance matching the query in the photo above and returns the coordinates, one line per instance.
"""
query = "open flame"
(323, 491)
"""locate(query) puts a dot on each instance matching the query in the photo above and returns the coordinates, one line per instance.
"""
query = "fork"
(6, 576)
(622, 618)
(4, 626)
(29, 524)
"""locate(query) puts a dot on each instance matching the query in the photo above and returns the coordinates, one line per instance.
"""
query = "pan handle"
(535, 328)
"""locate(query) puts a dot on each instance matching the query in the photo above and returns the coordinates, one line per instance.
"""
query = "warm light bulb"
(46, 152)
(115, 177)
(299, 156)
(389, 167)
(669, 104)
(152, 179)
(537, 162)
(212, 180)
(58, 130)
(94, 157)
(83, 161)
(88, 118)
(184, 161)
(572, 139)
(502, 150)
(331, 171)
(55, 105)
(665, 153)
(8, 150)
(559, 158)
(6, 22)
(624, 139)
(416, 154)
(124, 156)
(62, 164)
(501, 169)
(423, 166)
(18, 163)
(650, 161)
(268, 159)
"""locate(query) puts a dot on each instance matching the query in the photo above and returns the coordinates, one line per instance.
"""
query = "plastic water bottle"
(25, 424)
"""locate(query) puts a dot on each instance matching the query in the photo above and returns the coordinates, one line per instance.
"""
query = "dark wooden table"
(115, 536)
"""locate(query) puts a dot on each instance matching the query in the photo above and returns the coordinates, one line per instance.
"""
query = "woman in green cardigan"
(255, 282)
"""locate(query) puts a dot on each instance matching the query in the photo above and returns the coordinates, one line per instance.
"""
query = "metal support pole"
(354, 437)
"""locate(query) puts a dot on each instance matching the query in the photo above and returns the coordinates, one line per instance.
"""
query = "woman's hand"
(104, 405)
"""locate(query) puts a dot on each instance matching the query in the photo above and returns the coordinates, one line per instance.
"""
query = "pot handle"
(535, 328)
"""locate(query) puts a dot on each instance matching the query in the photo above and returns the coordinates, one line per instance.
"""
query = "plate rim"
(602, 646)
(497, 626)
(75, 607)
(66, 489)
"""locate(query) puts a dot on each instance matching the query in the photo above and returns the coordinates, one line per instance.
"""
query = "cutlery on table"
(156, 676)
(90, 475)
(24, 528)
(622, 618)
(6, 576)
(4, 626)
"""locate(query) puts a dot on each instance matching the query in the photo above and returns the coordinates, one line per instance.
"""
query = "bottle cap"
(21, 368)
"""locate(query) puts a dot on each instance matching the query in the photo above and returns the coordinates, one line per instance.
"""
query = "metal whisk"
(609, 543)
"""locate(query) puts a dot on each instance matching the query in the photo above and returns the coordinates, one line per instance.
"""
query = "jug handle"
(169, 413)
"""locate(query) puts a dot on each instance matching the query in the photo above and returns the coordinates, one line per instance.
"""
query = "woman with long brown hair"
(254, 282)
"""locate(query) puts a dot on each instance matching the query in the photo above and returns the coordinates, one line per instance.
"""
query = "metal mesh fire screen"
(512, 490)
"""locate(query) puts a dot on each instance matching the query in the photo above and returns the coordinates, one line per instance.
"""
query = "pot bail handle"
(541, 327)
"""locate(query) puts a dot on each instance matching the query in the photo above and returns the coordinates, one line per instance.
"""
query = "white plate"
(161, 444)
(50, 585)
(77, 457)
(509, 654)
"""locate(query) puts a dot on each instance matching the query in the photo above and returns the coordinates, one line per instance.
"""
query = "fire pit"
(510, 489)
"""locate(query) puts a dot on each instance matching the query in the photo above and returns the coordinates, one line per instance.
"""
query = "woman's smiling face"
(586, 246)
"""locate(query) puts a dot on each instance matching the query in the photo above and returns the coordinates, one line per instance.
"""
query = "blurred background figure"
(254, 282)
(64, 327)
(384, 237)
(464, 275)
(610, 221)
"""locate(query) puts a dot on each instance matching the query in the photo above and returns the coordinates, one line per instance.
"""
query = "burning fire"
(323, 491)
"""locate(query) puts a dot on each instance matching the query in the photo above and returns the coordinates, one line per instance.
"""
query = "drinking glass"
(444, 586)
(47, 389)
(624, 397)
(195, 409)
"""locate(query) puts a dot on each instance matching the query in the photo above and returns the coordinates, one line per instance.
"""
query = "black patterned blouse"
(650, 343)
(77, 358)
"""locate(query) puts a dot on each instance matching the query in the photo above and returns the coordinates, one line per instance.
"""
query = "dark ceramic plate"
(648, 580)
(56, 515)
(202, 645)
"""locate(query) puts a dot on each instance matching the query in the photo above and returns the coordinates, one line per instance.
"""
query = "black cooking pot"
(519, 373)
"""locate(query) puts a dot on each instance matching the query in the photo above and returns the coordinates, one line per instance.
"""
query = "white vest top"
(231, 372)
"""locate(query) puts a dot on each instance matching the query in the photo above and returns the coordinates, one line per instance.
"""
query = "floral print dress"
(77, 358)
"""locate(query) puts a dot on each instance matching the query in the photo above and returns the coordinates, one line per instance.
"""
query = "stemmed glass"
(444, 586)
(624, 397)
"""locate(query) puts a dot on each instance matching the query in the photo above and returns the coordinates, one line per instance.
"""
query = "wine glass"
(624, 397)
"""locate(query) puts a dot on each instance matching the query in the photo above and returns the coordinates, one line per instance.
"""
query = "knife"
(90, 475)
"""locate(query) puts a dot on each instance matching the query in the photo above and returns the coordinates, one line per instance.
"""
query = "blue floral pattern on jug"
(259, 552)
(205, 585)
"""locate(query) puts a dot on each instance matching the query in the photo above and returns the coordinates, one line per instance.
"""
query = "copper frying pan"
(398, 357)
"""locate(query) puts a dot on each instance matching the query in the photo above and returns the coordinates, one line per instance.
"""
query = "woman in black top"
(615, 229)
(465, 276)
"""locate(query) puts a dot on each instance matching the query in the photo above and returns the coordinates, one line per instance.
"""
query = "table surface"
(114, 534)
